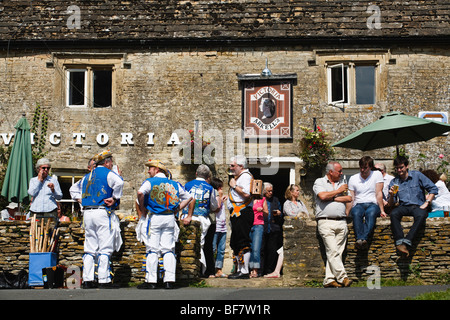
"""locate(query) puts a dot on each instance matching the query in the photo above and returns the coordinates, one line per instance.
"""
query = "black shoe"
(108, 285)
(239, 275)
(147, 285)
(169, 285)
(89, 285)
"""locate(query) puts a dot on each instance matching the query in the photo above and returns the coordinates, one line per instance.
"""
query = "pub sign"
(267, 109)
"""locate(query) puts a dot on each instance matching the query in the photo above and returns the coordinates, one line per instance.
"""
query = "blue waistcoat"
(164, 197)
(95, 188)
(201, 191)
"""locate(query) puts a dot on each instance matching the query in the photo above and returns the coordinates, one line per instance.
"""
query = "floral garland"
(196, 143)
(316, 150)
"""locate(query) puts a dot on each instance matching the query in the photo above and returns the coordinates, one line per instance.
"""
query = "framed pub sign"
(267, 107)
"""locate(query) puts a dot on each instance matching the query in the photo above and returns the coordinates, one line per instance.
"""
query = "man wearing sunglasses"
(44, 190)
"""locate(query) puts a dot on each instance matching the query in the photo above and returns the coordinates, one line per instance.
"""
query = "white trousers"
(102, 238)
(334, 235)
(161, 241)
(205, 223)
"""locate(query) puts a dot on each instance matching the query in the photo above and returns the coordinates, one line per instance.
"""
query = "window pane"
(337, 87)
(102, 88)
(365, 84)
(76, 88)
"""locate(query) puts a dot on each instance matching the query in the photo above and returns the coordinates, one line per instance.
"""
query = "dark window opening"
(365, 84)
(102, 88)
(76, 88)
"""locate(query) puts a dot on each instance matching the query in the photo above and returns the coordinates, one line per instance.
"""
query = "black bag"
(12, 281)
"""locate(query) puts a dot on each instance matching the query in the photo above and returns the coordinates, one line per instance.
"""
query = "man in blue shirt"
(412, 202)
(205, 202)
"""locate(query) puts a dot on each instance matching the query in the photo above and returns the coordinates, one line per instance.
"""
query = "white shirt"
(441, 187)
(365, 189)
(328, 209)
(5, 216)
(386, 179)
(244, 181)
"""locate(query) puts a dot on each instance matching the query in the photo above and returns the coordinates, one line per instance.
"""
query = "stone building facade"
(127, 76)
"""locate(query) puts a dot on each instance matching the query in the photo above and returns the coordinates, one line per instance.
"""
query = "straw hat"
(157, 164)
(102, 156)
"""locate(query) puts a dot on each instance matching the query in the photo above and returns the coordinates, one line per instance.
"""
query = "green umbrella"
(20, 164)
(393, 129)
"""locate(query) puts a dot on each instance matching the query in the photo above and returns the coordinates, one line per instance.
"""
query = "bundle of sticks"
(40, 239)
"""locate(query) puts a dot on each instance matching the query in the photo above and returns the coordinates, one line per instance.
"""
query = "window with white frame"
(351, 83)
(89, 86)
(67, 179)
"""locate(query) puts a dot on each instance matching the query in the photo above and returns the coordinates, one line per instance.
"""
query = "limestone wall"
(429, 259)
(304, 255)
(126, 264)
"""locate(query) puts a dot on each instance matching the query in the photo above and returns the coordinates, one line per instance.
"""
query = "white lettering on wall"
(77, 136)
(55, 138)
(102, 139)
(127, 139)
(150, 136)
(7, 138)
(174, 140)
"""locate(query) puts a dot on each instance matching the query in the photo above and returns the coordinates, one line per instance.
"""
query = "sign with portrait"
(267, 109)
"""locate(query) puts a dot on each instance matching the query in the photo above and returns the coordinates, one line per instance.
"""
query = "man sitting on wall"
(412, 201)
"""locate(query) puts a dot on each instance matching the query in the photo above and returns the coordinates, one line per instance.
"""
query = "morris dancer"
(240, 204)
(205, 202)
(102, 189)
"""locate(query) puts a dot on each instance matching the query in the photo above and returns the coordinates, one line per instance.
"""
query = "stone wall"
(169, 88)
(304, 255)
(429, 259)
(126, 264)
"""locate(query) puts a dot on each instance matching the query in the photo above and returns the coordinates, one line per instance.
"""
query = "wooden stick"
(52, 239)
(36, 236)
(54, 243)
(44, 245)
(32, 225)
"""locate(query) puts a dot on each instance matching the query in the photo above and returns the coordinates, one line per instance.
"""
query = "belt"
(165, 213)
(337, 219)
(94, 208)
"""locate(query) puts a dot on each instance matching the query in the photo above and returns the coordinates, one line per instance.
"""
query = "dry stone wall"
(304, 255)
(126, 264)
(429, 260)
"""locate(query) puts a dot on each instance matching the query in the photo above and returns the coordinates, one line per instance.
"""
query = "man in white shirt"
(331, 198)
(366, 189)
(386, 179)
(9, 212)
(240, 205)
(101, 192)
